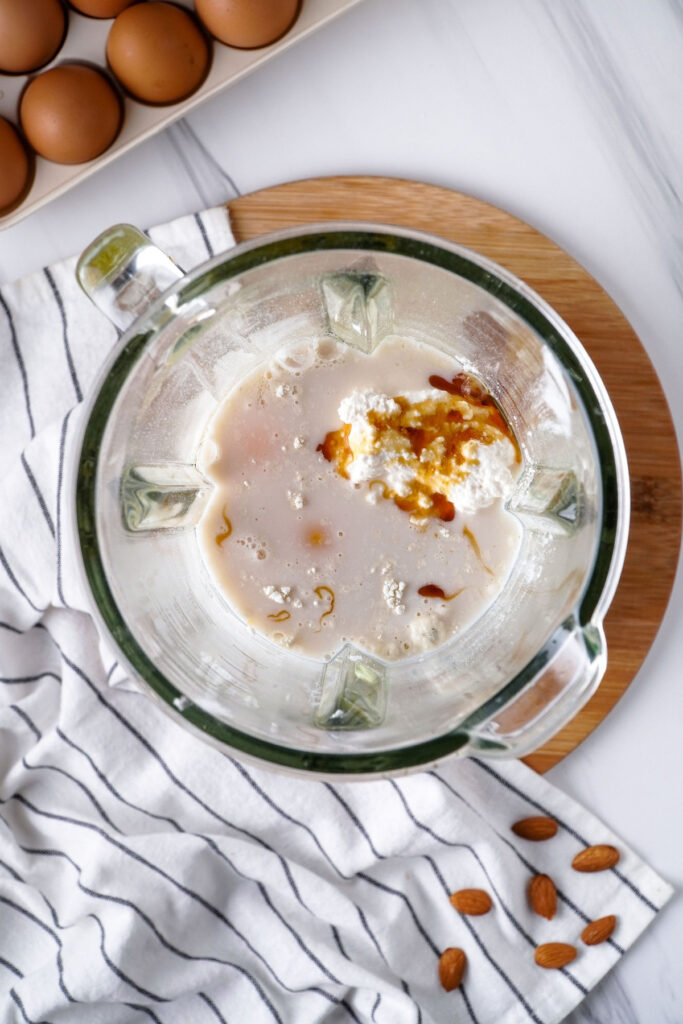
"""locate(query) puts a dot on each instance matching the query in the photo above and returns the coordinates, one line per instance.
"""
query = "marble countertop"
(568, 115)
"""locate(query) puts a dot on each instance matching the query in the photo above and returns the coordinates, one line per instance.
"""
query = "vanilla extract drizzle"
(475, 547)
(319, 591)
(223, 535)
(431, 590)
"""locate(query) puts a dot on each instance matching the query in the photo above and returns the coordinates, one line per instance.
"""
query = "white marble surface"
(567, 113)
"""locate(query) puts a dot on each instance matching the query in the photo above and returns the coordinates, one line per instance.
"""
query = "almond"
(554, 954)
(596, 858)
(535, 829)
(452, 965)
(471, 901)
(598, 931)
(543, 896)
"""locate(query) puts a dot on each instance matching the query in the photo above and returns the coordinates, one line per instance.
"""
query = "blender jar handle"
(553, 694)
(123, 273)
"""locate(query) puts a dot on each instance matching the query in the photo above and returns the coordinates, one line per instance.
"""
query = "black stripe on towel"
(376, 1003)
(154, 753)
(462, 989)
(148, 1012)
(38, 493)
(338, 942)
(212, 1006)
(113, 967)
(60, 962)
(20, 363)
(402, 896)
(371, 935)
(10, 871)
(12, 629)
(25, 718)
(355, 819)
(11, 967)
(202, 229)
(16, 582)
(295, 821)
(404, 986)
(65, 334)
(349, 1009)
(20, 1006)
(266, 898)
(22, 680)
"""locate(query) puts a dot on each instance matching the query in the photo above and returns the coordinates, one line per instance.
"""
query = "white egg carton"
(86, 41)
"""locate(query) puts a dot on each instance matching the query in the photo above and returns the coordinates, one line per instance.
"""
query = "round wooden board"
(637, 395)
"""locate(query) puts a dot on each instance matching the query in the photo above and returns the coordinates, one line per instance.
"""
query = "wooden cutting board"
(654, 465)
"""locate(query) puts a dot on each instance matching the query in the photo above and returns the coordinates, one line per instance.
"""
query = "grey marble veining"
(608, 1003)
(209, 179)
(647, 159)
(677, 7)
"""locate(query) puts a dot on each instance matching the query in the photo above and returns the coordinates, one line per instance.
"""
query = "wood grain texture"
(654, 539)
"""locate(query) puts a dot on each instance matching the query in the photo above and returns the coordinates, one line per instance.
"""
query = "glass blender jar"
(501, 687)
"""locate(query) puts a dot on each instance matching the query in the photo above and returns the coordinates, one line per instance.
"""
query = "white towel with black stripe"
(144, 874)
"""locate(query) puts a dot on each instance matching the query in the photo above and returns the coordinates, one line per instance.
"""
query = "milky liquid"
(311, 559)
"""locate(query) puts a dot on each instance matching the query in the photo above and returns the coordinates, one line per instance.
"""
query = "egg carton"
(86, 40)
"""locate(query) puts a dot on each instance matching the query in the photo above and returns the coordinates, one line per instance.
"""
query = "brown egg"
(15, 166)
(70, 114)
(31, 32)
(247, 23)
(157, 52)
(101, 8)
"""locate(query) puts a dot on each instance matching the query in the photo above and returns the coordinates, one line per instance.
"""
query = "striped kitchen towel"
(145, 875)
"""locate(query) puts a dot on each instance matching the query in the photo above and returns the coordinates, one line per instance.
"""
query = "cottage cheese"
(379, 449)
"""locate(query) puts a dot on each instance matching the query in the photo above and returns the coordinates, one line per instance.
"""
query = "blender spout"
(122, 272)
